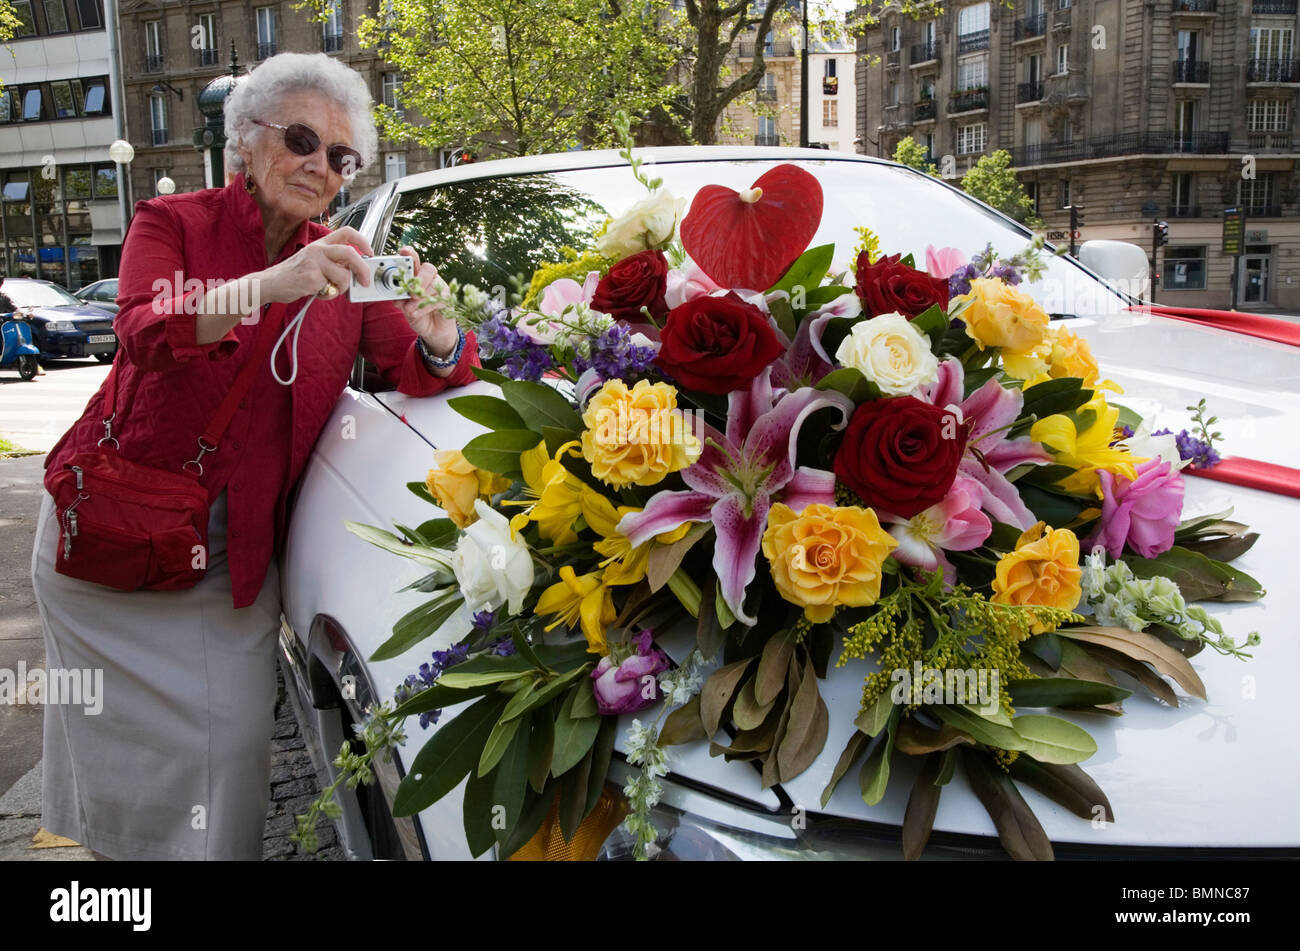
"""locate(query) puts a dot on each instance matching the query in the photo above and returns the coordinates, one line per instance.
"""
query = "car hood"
(72, 312)
(1216, 773)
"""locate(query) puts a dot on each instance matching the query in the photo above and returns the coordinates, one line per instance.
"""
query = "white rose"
(650, 223)
(891, 353)
(491, 566)
(1163, 447)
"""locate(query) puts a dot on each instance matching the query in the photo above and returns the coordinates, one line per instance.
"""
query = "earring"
(250, 186)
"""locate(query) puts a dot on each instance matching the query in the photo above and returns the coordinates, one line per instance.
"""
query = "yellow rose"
(637, 436)
(825, 556)
(456, 483)
(1043, 570)
(1003, 316)
(1072, 356)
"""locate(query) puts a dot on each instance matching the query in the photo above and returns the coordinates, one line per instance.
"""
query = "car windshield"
(496, 231)
(25, 294)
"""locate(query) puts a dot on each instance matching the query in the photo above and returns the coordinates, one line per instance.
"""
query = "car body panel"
(88, 320)
(1220, 774)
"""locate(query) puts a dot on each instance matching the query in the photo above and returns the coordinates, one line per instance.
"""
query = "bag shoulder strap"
(216, 426)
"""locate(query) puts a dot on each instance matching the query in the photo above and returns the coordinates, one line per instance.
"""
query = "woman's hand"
(430, 321)
(332, 259)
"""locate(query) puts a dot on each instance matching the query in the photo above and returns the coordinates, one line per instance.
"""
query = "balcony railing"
(924, 52)
(1263, 211)
(208, 57)
(1127, 143)
(766, 94)
(767, 140)
(972, 42)
(1183, 211)
(778, 47)
(893, 58)
(1273, 6)
(1264, 141)
(265, 50)
(1191, 71)
(1061, 19)
(1273, 71)
(968, 100)
(1196, 6)
(153, 62)
(830, 85)
(923, 110)
(159, 136)
(1029, 92)
(1030, 27)
(332, 42)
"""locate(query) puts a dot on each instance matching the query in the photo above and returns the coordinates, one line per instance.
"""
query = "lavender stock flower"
(615, 357)
(524, 359)
(1201, 453)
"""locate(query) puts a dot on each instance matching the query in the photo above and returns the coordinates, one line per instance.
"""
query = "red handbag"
(135, 527)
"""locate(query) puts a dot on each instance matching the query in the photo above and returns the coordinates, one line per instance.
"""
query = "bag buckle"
(108, 432)
(204, 449)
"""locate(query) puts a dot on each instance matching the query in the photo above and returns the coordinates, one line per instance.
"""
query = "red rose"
(717, 344)
(634, 282)
(900, 454)
(888, 287)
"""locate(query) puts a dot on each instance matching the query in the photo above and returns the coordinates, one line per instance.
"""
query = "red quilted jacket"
(169, 386)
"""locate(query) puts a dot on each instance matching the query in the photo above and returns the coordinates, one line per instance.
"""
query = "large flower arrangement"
(709, 428)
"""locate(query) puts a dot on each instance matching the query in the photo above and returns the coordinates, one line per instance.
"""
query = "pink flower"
(687, 283)
(1144, 512)
(955, 524)
(558, 297)
(631, 685)
(943, 262)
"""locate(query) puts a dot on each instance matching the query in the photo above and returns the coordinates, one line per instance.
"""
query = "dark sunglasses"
(300, 140)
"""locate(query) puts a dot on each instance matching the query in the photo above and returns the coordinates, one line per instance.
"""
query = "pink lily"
(943, 262)
(955, 524)
(738, 477)
(989, 411)
(687, 283)
(558, 297)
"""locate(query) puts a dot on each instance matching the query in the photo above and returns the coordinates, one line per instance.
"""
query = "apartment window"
(26, 21)
(1182, 190)
(928, 32)
(1067, 130)
(65, 107)
(265, 32)
(829, 69)
(767, 88)
(973, 19)
(1268, 115)
(333, 28)
(1189, 44)
(1031, 189)
(769, 45)
(767, 134)
(831, 111)
(95, 92)
(1062, 4)
(895, 39)
(56, 17)
(926, 139)
(972, 138)
(106, 181)
(1033, 68)
(91, 18)
(76, 181)
(1064, 193)
(1062, 59)
(1184, 268)
(1033, 130)
(1270, 43)
(208, 53)
(927, 88)
(891, 93)
(394, 165)
(32, 104)
(1256, 194)
(1184, 123)
(973, 72)
(153, 55)
(6, 105)
(158, 175)
(392, 91)
(158, 118)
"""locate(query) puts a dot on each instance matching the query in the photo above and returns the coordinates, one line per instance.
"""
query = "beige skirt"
(176, 762)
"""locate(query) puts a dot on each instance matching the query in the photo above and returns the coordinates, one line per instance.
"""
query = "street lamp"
(121, 152)
(165, 186)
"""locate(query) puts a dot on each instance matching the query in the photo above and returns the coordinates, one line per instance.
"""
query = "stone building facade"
(1136, 111)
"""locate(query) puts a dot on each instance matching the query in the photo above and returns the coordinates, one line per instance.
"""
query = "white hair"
(257, 95)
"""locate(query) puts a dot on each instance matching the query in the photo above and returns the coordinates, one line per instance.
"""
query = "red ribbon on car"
(1252, 474)
(1255, 325)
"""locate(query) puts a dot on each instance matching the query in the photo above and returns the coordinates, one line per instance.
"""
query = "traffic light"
(1161, 233)
(1076, 222)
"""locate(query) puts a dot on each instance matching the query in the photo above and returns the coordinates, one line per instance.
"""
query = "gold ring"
(329, 290)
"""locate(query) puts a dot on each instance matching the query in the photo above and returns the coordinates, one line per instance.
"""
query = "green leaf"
(852, 750)
(544, 693)
(914, 739)
(933, 322)
(573, 795)
(1052, 507)
(710, 634)
(541, 744)
(982, 730)
(398, 546)
(1053, 740)
(489, 668)
(1019, 830)
(573, 738)
(584, 701)
(448, 756)
(490, 411)
(417, 624)
(946, 769)
(476, 811)
(502, 735)
(1199, 578)
(683, 725)
(687, 591)
(490, 376)
(1046, 647)
(1066, 784)
(783, 314)
(872, 721)
(510, 786)
(1192, 527)
(439, 696)
(439, 532)
(722, 610)
(808, 270)
(540, 405)
(537, 806)
(499, 451)
(602, 751)
(874, 778)
(1063, 692)
(422, 490)
(922, 807)
(849, 382)
(819, 297)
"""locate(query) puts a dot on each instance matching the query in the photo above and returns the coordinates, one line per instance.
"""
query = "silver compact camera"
(386, 276)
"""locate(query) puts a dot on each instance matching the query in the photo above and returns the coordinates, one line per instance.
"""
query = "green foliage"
(993, 181)
(910, 153)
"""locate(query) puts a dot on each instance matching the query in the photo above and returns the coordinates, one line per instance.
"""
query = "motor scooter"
(17, 347)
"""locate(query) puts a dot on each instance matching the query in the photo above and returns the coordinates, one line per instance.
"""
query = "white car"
(1220, 776)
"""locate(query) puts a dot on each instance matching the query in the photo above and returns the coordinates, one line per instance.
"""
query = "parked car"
(101, 294)
(1217, 777)
(62, 325)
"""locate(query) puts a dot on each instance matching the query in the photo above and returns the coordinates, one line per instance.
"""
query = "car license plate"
(101, 338)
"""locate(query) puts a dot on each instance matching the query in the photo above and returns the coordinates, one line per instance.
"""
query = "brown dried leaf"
(922, 807)
(1144, 647)
(915, 739)
(1018, 829)
(683, 725)
(773, 666)
(717, 692)
(747, 713)
(664, 560)
(852, 750)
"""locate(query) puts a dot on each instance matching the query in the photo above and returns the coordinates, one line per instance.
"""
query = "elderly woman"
(176, 765)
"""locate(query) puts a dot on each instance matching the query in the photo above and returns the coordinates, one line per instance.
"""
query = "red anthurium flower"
(749, 239)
